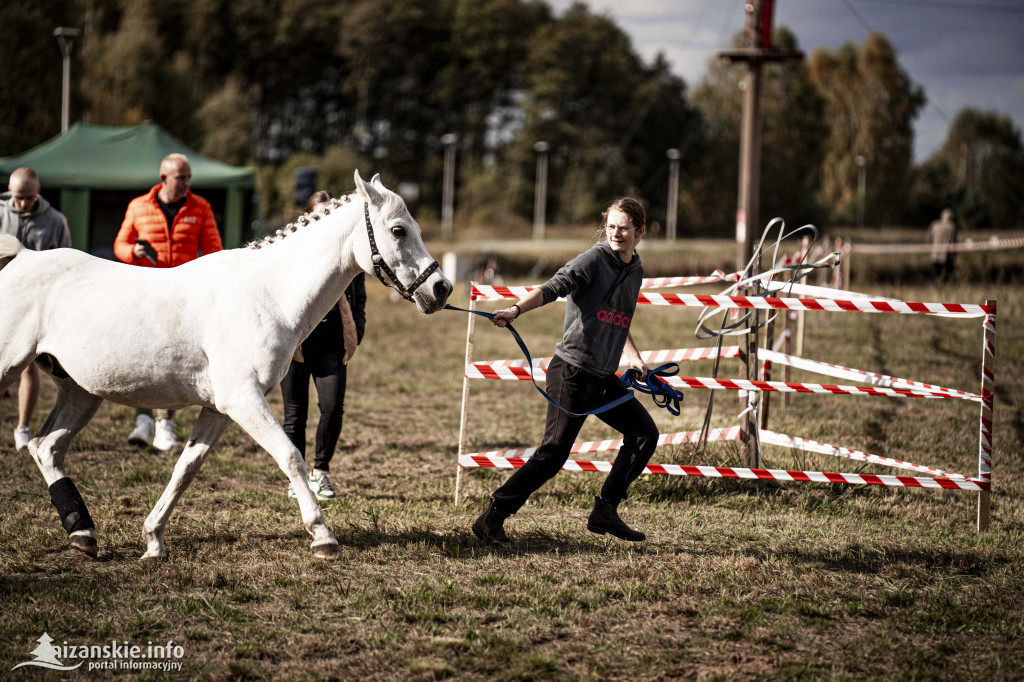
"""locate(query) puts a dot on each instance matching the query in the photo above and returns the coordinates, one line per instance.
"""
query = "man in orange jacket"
(163, 228)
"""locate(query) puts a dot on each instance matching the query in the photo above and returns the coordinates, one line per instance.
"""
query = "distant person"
(166, 227)
(942, 233)
(38, 226)
(601, 286)
(324, 357)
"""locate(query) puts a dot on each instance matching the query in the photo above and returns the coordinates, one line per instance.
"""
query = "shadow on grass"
(863, 560)
(464, 545)
(456, 544)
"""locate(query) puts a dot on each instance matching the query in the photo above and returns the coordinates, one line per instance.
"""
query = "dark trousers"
(580, 391)
(944, 270)
(322, 353)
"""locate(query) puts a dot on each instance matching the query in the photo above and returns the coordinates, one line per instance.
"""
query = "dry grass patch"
(737, 581)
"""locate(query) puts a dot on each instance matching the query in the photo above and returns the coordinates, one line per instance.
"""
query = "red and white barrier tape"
(987, 398)
(611, 444)
(740, 472)
(488, 370)
(782, 440)
(668, 282)
(513, 370)
(866, 305)
(841, 372)
(992, 244)
(860, 303)
(812, 291)
(513, 459)
(853, 302)
(787, 387)
(490, 292)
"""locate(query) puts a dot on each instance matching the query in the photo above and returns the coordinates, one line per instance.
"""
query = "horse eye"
(398, 231)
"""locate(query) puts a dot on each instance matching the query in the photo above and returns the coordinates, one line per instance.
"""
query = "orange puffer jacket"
(194, 229)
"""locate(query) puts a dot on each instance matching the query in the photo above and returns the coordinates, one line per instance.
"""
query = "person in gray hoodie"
(601, 286)
(39, 226)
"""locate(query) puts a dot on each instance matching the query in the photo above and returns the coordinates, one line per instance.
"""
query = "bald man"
(167, 226)
(39, 226)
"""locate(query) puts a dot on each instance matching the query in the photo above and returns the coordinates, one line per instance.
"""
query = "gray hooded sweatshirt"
(601, 292)
(40, 229)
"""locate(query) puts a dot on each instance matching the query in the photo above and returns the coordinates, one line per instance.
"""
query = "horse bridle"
(381, 268)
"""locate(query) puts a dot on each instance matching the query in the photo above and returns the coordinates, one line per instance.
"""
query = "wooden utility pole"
(756, 51)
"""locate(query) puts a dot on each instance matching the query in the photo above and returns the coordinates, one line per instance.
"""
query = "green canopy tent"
(91, 172)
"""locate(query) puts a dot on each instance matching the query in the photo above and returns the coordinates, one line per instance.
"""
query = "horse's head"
(394, 250)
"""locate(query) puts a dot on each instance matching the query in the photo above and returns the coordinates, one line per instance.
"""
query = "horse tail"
(9, 248)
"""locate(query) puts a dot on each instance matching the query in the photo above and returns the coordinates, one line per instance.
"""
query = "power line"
(729, 17)
(857, 16)
(954, 5)
(645, 109)
(864, 23)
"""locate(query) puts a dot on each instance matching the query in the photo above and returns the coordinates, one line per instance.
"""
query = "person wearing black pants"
(323, 357)
(601, 286)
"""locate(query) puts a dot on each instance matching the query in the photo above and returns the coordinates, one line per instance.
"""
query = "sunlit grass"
(737, 581)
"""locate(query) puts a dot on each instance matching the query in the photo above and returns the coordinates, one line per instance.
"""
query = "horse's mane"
(301, 221)
(304, 219)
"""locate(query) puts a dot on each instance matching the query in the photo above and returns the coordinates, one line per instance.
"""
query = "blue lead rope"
(663, 394)
(659, 390)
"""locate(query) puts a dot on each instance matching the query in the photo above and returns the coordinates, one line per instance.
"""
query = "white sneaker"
(22, 435)
(143, 433)
(165, 439)
(320, 484)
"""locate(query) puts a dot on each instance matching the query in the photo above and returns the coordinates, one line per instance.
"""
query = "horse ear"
(370, 194)
(375, 181)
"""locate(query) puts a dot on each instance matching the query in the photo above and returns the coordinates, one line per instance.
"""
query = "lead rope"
(663, 394)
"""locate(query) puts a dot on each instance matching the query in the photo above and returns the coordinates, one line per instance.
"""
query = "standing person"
(942, 233)
(601, 286)
(324, 357)
(39, 226)
(167, 226)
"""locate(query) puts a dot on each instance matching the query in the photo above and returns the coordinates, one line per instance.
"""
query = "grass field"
(736, 581)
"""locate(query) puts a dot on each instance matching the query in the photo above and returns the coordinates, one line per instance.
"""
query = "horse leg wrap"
(74, 515)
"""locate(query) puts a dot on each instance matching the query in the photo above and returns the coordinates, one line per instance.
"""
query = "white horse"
(217, 332)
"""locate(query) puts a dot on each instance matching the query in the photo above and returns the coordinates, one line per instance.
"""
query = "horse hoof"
(327, 551)
(152, 560)
(85, 544)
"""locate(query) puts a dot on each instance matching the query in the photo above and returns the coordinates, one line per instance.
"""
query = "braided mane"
(301, 221)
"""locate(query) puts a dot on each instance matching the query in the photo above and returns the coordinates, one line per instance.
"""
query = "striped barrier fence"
(513, 459)
(858, 303)
(513, 370)
(863, 305)
(747, 473)
(882, 385)
(992, 244)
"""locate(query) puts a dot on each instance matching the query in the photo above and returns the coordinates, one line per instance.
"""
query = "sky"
(961, 52)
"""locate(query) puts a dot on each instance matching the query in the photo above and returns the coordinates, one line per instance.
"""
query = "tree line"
(382, 85)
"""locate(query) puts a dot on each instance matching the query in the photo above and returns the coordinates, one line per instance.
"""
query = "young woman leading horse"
(601, 286)
(218, 332)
